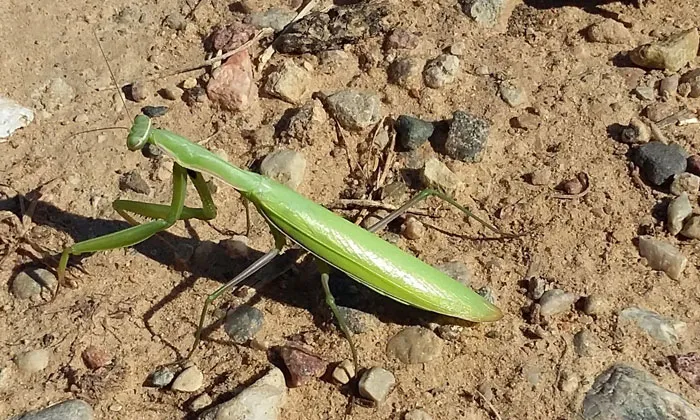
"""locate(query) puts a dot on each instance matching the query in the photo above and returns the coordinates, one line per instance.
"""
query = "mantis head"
(139, 133)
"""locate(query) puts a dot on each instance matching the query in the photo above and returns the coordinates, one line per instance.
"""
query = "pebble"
(536, 286)
(355, 110)
(66, 410)
(609, 31)
(140, 91)
(684, 89)
(400, 38)
(236, 247)
(692, 78)
(636, 132)
(172, 93)
(467, 137)
(189, 380)
(526, 121)
(568, 382)
(668, 87)
(459, 48)
(96, 357)
(56, 94)
(487, 293)
(645, 93)
(687, 366)
(243, 323)
(30, 283)
(664, 329)
(457, 270)
(659, 162)
(376, 384)
(662, 256)
(289, 82)
(285, 166)
(413, 229)
(344, 372)
(486, 390)
(196, 95)
(189, 83)
(405, 72)
(449, 332)
(691, 228)
(232, 85)
(512, 94)
(176, 21)
(13, 116)
(358, 321)
(33, 361)
(594, 305)
(541, 176)
(685, 183)
(484, 12)
(263, 400)
(670, 54)
(415, 345)
(302, 365)
(436, 174)
(200, 402)
(154, 111)
(556, 301)
(678, 210)
(276, 18)
(161, 377)
(623, 392)
(441, 71)
(417, 414)
(585, 344)
(132, 181)
(412, 132)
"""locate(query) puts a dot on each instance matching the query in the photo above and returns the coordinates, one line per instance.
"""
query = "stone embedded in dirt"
(540, 176)
(302, 365)
(412, 132)
(284, 166)
(568, 382)
(594, 305)
(236, 247)
(400, 38)
(457, 270)
(691, 227)
(376, 384)
(405, 72)
(637, 132)
(289, 82)
(243, 323)
(358, 321)
(458, 48)
(263, 400)
(609, 31)
(692, 78)
(668, 87)
(203, 400)
(662, 256)
(623, 392)
(484, 12)
(55, 94)
(645, 93)
(96, 357)
(487, 293)
(354, 110)
(276, 18)
(189, 83)
(536, 286)
(678, 210)
(417, 414)
(65, 410)
(467, 137)
(512, 93)
(232, 85)
(344, 372)
(189, 380)
(449, 332)
(659, 162)
(585, 344)
(230, 37)
(436, 174)
(556, 301)
(685, 183)
(441, 71)
(13, 116)
(172, 93)
(132, 181)
(693, 164)
(665, 329)
(299, 125)
(154, 111)
(687, 366)
(671, 53)
(30, 283)
(176, 21)
(161, 377)
(412, 228)
(332, 30)
(415, 345)
(526, 121)
(33, 361)
(684, 89)
(657, 111)
(140, 91)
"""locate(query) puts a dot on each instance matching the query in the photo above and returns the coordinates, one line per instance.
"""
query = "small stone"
(556, 301)
(358, 321)
(154, 111)
(512, 94)
(535, 287)
(541, 176)
(692, 78)
(172, 93)
(693, 164)
(678, 210)
(276, 18)
(484, 12)
(664, 329)
(657, 111)
(301, 364)
(243, 323)
(417, 414)
(486, 390)
(487, 293)
(659, 162)
(413, 229)
(691, 228)
(13, 116)
(236, 247)
(585, 344)
(449, 332)
(288, 82)
(415, 345)
(662, 256)
(687, 366)
(200, 402)
(594, 305)
(140, 91)
(189, 83)
(66, 410)
(132, 181)
(459, 48)
(412, 132)
(645, 93)
(684, 89)
(609, 31)
(31, 282)
(457, 270)
(161, 377)
(33, 361)
(525, 121)
(354, 110)
(344, 372)
(482, 70)
(401, 39)
(263, 400)
(669, 54)
(568, 382)
(405, 72)
(81, 119)
(441, 71)
(232, 85)
(376, 384)
(96, 357)
(635, 133)
(176, 21)
(189, 380)
(669, 86)
(436, 174)
(56, 94)
(467, 137)
(285, 166)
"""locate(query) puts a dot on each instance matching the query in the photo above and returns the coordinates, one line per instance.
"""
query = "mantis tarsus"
(330, 238)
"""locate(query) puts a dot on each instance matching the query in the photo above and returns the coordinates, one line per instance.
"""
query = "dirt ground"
(141, 305)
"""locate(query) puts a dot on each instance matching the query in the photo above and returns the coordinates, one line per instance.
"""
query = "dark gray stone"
(413, 132)
(466, 137)
(358, 321)
(66, 410)
(659, 162)
(624, 393)
(243, 323)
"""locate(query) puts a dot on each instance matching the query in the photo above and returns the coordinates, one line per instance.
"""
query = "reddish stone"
(232, 84)
(96, 357)
(301, 364)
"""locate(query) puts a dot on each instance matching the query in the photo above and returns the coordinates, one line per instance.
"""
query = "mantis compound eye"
(138, 135)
